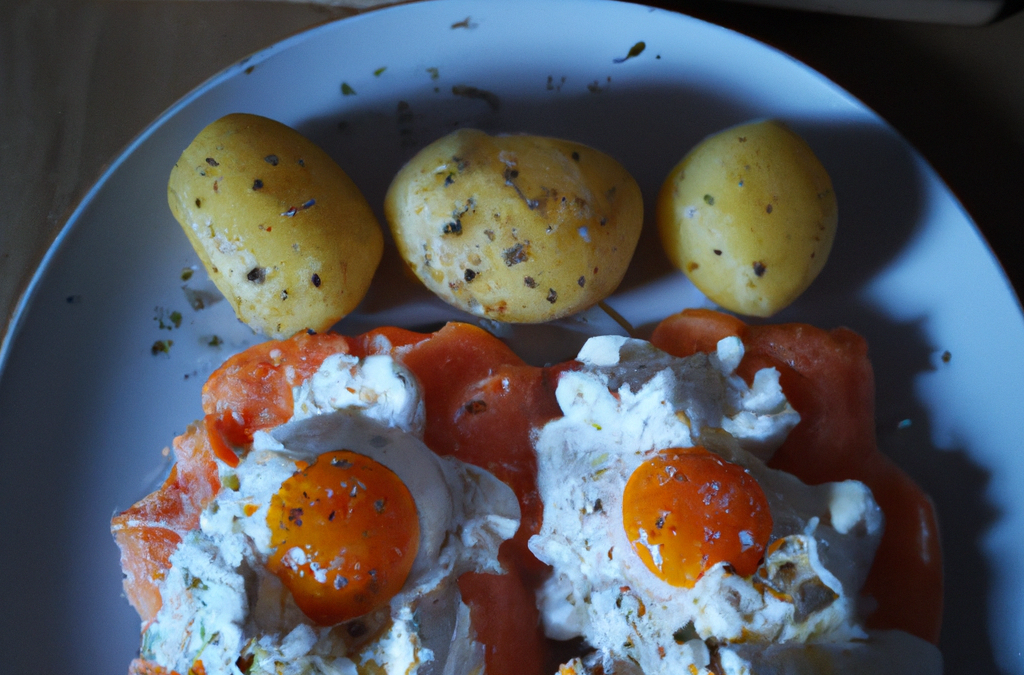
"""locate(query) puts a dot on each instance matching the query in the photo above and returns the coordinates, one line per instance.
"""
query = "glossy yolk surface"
(687, 509)
(346, 534)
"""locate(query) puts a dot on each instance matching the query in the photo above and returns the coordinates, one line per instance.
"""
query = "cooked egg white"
(797, 613)
(220, 601)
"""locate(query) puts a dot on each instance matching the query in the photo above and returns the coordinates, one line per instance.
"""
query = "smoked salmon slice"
(483, 402)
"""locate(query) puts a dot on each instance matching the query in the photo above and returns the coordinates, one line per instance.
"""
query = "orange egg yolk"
(687, 509)
(345, 532)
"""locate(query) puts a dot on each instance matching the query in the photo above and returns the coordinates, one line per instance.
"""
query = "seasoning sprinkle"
(316, 280)
(295, 209)
(489, 98)
(161, 347)
(515, 255)
(635, 50)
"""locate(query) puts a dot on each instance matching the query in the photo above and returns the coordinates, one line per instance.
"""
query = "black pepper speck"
(552, 296)
(514, 255)
(212, 162)
(759, 268)
(257, 184)
(272, 160)
(469, 275)
(316, 280)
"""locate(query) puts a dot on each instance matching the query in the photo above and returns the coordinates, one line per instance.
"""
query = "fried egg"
(334, 544)
(675, 549)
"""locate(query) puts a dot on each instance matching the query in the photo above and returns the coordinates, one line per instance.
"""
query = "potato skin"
(282, 230)
(516, 228)
(749, 215)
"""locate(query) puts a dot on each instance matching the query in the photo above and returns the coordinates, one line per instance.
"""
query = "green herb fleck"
(685, 634)
(635, 50)
(186, 273)
(167, 321)
(162, 347)
(481, 94)
(709, 200)
(230, 481)
(347, 90)
(434, 73)
(215, 341)
(379, 71)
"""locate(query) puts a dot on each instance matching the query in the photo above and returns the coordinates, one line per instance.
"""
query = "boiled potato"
(283, 232)
(749, 215)
(515, 228)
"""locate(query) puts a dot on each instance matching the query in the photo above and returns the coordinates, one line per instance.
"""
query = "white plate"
(87, 407)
